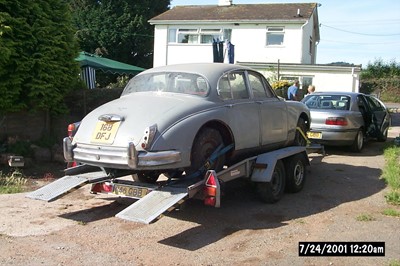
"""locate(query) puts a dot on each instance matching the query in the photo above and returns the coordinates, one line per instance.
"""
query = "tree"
(38, 49)
(382, 79)
(118, 29)
(381, 69)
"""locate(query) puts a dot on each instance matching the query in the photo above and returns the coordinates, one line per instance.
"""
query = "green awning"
(107, 65)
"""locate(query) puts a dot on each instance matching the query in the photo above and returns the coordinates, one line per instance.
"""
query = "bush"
(83, 101)
(13, 183)
(281, 87)
(387, 89)
(18, 147)
(391, 174)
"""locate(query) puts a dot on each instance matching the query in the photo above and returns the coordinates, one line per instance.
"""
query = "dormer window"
(275, 35)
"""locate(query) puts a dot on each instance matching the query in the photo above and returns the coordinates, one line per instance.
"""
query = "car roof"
(211, 71)
(338, 93)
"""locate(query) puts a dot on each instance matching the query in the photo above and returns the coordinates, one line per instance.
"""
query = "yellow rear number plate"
(314, 135)
(130, 191)
(105, 132)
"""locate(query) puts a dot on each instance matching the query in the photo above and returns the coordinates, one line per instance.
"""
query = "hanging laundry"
(231, 53)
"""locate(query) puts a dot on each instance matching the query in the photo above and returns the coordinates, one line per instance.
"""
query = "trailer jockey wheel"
(272, 191)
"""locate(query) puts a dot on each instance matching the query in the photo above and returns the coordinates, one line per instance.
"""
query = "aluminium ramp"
(66, 184)
(154, 204)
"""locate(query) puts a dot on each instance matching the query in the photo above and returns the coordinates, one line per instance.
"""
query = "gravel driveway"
(80, 228)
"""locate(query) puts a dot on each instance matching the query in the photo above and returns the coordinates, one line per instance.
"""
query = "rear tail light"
(336, 121)
(148, 137)
(71, 130)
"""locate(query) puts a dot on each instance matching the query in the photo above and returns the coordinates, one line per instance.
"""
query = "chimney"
(225, 2)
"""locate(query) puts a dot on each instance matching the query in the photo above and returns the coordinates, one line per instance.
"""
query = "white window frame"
(275, 32)
(198, 35)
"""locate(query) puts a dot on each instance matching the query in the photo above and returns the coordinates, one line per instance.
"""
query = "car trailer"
(272, 172)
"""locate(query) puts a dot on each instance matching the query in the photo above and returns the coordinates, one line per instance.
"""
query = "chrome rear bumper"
(118, 157)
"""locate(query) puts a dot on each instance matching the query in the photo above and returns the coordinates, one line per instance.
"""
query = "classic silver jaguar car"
(170, 119)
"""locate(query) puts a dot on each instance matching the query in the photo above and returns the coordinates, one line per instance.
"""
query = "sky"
(356, 32)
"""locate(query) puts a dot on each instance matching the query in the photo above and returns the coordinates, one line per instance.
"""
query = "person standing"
(293, 92)
(311, 89)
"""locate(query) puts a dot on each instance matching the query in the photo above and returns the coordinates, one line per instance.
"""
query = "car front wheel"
(299, 139)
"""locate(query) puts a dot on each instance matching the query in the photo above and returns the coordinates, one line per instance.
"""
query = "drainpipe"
(302, 41)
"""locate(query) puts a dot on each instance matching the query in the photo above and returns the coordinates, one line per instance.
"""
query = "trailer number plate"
(130, 191)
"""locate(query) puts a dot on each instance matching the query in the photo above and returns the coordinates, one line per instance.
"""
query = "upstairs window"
(275, 36)
(208, 35)
(198, 35)
(188, 36)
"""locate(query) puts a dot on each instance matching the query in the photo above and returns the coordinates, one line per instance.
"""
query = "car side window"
(374, 104)
(232, 86)
(257, 86)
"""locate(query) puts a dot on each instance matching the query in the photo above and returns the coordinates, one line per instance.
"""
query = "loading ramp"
(66, 184)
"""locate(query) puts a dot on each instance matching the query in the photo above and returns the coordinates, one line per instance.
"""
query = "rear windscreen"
(335, 102)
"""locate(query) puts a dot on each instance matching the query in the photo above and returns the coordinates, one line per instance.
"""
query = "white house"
(259, 32)
(248, 34)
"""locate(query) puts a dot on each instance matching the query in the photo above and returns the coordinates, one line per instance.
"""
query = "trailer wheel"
(295, 173)
(205, 143)
(272, 191)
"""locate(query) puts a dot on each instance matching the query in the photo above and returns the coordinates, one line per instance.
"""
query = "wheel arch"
(224, 130)
(306, 119)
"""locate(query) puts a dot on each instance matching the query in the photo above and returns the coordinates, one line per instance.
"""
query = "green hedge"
(387, 89)
(83, 101)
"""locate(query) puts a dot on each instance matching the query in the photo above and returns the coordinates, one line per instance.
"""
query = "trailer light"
(336, 121)
(211, 189)
(210, 201)
(105, 187)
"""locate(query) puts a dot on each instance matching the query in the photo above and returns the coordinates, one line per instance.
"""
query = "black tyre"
(358, 143)
(146, 177)
(205, 143)
(272, 191)
(295, 173)
(299, 139)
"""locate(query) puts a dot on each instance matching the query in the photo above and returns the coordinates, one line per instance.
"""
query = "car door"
(273, 113)
(242, 113)
(380, 118)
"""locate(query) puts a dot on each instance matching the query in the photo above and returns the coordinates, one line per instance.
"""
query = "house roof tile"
(238, 13)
